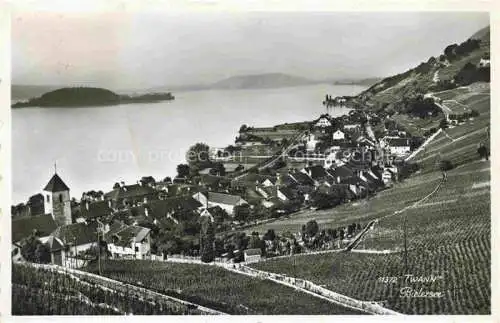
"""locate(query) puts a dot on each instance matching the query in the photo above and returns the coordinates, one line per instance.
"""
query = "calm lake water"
(96, 147)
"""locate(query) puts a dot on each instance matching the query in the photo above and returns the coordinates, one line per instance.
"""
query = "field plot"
(218, 288)
(276, 135)
(480, 102)
(417, 126)
(455, 212)
(453, 93)
(448, 142)
(455, 106)
(460, 273)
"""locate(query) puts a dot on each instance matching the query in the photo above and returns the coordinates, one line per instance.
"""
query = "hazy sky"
(125, 51)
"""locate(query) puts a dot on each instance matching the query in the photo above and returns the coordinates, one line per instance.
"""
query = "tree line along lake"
(94, 147)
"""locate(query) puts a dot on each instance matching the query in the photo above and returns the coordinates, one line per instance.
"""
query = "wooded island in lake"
(89, 96)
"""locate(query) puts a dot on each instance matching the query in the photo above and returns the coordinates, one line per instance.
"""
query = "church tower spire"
(57, 199)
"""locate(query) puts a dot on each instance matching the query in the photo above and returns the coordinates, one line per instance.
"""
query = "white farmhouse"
(323, 122)
(311, 143)
(226, 201)
(396, 146)
(129, 241)
(338, 135)
(484, 62)
(252, 255)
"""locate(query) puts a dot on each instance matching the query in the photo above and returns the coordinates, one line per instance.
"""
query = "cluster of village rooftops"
(336, 157)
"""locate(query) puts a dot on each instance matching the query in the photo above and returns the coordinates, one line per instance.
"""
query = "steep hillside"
(456, 66)
(434, 227)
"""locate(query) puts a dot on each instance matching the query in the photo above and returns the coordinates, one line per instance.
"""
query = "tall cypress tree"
(207, 242)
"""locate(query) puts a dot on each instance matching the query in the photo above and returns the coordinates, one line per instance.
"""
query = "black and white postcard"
(248, 163)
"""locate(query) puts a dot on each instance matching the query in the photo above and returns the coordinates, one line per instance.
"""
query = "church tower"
(57, 200)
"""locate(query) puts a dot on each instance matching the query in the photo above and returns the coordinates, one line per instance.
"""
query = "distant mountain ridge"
(266, 81)
(262, 81)
(237, 82)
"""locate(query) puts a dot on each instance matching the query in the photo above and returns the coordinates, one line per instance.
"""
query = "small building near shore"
(396, 146)
(252, 255)
(338, 135)
(323, 122)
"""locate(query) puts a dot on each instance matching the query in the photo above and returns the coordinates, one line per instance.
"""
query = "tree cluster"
(454, 51)
(420, 107)
(315, 239)
(33, 250)
(471, 73)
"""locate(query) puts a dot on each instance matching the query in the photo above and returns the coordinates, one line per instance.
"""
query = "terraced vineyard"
(218, 288)
(462, 271)
(38, 291)
(448, 232)
(417, 126)
(456, 211)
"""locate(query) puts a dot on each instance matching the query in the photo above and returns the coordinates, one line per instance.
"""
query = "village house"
(333, 159)
(372, 181)
(162, 186)
(128, 241)
(252, 255)
(265, 191)
(352, 127)
(342, 191)
(322, 122)
(219, 154)
(285, 194)
(311, 142)
(41, 226)
(316, 173)
(216, 183)
(169, 209)
(211, 212)
(388, 177)
(16, 253)
(129, 195)
(396, 146)
(300, 180)
(79, 238)
(268, 182)
(338, 135)
(57, 251)
(484, 61)
(356, 186)
(362, 141)
(225, 201)
(93, 210)
(341, 173)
